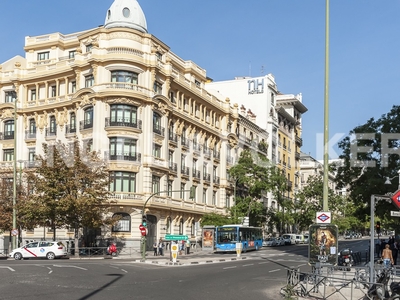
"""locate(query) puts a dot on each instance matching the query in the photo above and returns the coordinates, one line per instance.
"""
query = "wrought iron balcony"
(112, 122)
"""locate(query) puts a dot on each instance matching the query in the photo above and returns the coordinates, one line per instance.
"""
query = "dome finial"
(126, 13)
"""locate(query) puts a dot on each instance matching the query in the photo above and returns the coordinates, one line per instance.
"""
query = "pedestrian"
(161, 247)
(387, 256)
(155, 248)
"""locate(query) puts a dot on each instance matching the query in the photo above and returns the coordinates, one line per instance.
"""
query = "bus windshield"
(227, 235)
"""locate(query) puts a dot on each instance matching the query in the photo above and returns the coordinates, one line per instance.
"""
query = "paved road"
(260, 275)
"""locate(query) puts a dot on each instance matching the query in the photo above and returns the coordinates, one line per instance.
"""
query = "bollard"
(239, 247)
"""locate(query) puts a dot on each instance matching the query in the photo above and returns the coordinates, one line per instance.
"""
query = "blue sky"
(232, 38)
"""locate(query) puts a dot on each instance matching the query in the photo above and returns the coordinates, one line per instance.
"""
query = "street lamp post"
(14, 212)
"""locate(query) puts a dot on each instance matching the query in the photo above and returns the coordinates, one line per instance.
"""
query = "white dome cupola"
(126, 13)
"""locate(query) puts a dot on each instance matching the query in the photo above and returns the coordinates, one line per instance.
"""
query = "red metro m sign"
(396, 199)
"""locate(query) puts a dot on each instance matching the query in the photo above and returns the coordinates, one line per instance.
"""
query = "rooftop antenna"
(262, 70)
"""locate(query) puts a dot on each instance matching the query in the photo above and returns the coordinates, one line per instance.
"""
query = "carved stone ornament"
(122, 101)
(7, 113)
(86, 101)
(232, 142)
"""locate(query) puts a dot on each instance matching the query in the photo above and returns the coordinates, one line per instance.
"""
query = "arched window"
(53, 125)
(9, 130)
(123, 224)
(123, 115)
(88, 118)
(181, 227)
(193, 228)
(157, 123)
(169, 222)
(72, 122)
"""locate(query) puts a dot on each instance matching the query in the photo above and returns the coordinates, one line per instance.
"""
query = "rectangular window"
(89, 80)
(71, 54)
(123, 182)
(31, 155)
(157, 87)
(73, 86)
(156, 150)
(53, 91)
(89, 48)
(43, 55)
(156, 184)
(33, 94)
(170, 182)
(214, 198)
(182, 194)
(10, 96)
(8, 154)
(204, 196)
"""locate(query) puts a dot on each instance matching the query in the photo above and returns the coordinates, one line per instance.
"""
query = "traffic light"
(378, 227)
(144, 220)
(192, 192)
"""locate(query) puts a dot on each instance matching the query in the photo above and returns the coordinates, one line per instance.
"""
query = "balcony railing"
(184, 142)
(172, 137)
(124, 156)
(173, 166)
(206, 177)
(299, 141)
(30, 135)
(185, 171)
(216, 180)
(159, 130)
(217, 155)
(86, 124)
(196, 174)
(196, 147)
(51, 132)
(111, 122)
(7, 135)
(70, 129)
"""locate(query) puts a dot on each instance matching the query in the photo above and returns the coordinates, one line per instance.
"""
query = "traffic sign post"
(176, 237)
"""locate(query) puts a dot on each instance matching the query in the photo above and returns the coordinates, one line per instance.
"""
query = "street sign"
(143, 230)
(395, 213)
(171, 237)
(396, 199)
(323, 217)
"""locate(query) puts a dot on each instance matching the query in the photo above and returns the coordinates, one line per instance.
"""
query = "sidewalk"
(195, 257)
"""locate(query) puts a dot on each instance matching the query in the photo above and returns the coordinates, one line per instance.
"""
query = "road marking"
(248, 265)
(264, 262)
(11, 269)
(276, 270)
(68, 266)
(51, 271)
(229, 268)
(124, 271)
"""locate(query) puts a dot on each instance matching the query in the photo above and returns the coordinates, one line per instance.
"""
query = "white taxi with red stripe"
(42, 249)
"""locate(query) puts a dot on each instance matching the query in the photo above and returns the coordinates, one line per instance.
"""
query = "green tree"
(362, 179)
(69, 188)
(214, 219)
(251, 175)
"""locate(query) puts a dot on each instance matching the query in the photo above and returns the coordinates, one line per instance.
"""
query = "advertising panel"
(208, 238)
(323, 244)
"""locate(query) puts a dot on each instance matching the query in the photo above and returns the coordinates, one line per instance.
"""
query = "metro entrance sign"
(396, 199)
(170, 237)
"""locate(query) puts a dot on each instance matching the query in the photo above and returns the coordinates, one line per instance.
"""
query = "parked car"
(290, 239)
(299, 239)
(280, 241)
(348, 235)
(306, 238)
(42, 249)
(269, 242)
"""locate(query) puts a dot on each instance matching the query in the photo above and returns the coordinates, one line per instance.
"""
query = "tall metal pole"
(326, 113)
(372, 241)
(14, 213)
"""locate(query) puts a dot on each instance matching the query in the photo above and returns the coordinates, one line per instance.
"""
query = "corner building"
(122, 92)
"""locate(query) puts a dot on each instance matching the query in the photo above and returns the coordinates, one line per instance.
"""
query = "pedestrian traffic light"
(378, 227)
(144, 220)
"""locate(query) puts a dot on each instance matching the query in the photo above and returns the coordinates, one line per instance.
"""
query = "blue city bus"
(228, 235)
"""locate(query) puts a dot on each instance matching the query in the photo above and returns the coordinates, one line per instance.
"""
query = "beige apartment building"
(122, 92)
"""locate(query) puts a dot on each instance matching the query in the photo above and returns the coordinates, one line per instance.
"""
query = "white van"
(290, 239)
(299, 239)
